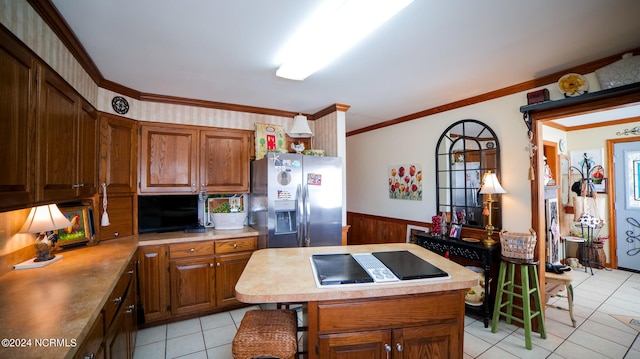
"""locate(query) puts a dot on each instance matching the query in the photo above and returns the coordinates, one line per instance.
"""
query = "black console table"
(469, 253)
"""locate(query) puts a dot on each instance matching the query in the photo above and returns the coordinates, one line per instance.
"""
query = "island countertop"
(285, 275)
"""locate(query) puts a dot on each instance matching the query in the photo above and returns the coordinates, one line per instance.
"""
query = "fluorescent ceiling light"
(332, 30)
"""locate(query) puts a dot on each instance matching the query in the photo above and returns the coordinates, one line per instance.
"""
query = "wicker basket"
(266, 333)
(518, 245)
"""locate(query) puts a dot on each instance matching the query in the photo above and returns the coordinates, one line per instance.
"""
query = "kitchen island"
(406, 319)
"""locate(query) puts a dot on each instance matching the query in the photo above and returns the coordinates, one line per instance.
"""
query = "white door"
(627, 203)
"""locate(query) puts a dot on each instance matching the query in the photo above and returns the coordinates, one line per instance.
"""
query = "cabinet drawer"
(119, 294)
(91, 346)
(236, 245)
(400, 311)
(190, 249)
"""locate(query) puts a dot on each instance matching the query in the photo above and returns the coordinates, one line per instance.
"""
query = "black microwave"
(167, 213)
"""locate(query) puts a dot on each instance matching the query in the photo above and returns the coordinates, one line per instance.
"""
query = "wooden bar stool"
(266, 333)
(518, 245)
(557, 282)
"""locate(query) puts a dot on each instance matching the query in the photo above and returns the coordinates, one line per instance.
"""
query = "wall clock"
(562, 145)
(120, 105)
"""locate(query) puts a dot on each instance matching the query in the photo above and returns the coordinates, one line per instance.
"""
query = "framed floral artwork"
(405, 182)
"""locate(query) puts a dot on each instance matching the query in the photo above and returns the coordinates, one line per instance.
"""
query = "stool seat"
(266, 333)
(528, 288)
(555, 282)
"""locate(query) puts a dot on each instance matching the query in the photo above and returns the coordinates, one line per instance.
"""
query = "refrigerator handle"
(307, 216)
(300, 215)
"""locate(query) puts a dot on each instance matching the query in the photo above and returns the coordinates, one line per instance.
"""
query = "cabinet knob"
(117, 300)
(90, 356)
(235, 245)
(387, 348)
(130, 272)
(116, 234)
(192, 250)
(399, 347)
(211, 265)
(218, 264)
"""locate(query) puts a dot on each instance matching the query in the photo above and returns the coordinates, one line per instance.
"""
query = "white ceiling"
(432, 53)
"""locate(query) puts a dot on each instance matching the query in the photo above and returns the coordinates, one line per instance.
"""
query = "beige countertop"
(60, 301)
(285, 275)
(149, 239)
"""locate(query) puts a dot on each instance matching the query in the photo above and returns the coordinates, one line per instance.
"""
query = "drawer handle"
(116, 234)
(91, 356)
(192, 250)
(235, 245)
(130, 272)
(117, 300)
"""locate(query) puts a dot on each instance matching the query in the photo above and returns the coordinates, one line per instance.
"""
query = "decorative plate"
(120, 105)
(472, 240)
(572, 85)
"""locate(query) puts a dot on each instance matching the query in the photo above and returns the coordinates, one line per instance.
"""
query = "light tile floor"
(597, 334)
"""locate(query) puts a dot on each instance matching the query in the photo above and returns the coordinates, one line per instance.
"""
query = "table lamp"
(44, 220)
(490, 185)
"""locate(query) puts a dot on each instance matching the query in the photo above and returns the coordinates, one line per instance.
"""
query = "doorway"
(626, 173)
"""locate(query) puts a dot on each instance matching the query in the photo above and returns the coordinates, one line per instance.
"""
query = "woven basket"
(266, 333)
(518, 245)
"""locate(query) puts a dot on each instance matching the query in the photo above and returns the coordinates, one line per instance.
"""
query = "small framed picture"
(456, 230)
(79, 231)
(600, 187)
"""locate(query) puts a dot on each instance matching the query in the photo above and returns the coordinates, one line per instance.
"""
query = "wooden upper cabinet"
(118, 154)
(87, 150)
(181, 158)
(224, 164)
(66, 164)
(17, 132)
(58, 131)
(168, 159)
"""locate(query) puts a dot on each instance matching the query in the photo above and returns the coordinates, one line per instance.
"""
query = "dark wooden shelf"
(588, 97)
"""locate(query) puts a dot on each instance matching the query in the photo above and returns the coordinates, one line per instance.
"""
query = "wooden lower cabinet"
(113, 333)
(192, 285)
(182, 279)
(412, 326)
(229, 267)
(154, 279)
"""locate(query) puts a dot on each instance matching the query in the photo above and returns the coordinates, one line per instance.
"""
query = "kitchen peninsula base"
(407, 319)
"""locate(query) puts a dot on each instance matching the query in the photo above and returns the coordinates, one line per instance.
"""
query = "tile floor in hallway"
(597, 334)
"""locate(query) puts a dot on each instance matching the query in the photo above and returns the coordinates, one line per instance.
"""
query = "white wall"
(369, 154)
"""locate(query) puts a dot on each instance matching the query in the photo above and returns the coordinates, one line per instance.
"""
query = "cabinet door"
(154, 282)
(57, 134)
(17, 131)
(118, 154)
(120, 210)
(224, 166)
(229, 267)
(433, 341)
(359, 345)
(192, 285)
(168, 159)
(87, 181)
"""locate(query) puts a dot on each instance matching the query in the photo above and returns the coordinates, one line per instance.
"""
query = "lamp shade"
(490, 184)
(300, 128)
(44, 218)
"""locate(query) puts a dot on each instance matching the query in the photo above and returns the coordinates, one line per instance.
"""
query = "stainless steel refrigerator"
(296, 200)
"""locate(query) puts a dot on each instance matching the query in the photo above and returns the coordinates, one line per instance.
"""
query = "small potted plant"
(229, 215)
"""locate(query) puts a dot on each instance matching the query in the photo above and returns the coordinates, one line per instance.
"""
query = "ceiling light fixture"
(331, 31)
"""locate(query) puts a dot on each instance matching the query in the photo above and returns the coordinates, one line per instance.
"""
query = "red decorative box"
(537, 96)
